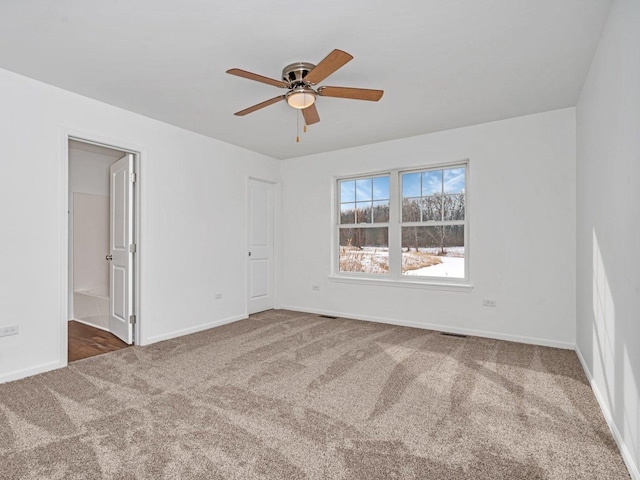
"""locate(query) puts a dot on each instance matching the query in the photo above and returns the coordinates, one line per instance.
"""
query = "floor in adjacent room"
(86, 341)
(290, 395)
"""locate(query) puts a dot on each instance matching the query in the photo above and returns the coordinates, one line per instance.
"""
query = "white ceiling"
(442, 63)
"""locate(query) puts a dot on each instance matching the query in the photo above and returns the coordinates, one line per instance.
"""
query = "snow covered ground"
(451, 251)
(376, 260)
(367, 260)
(452, 267)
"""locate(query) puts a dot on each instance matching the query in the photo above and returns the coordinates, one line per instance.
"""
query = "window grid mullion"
(442, 196)
(433, 223)
(363, 225)
(421, 198)
(371, 213)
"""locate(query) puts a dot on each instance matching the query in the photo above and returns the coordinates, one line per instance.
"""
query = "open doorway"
(101, 293)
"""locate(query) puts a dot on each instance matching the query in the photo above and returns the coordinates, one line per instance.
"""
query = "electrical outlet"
(218, 295)
(315, 288)
(10, 330)
(488, 302)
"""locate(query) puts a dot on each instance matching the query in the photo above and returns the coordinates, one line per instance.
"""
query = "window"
(404, 225)
(363, 228)
(433, 220)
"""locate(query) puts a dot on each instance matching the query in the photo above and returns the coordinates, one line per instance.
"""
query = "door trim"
(275, 274)
(139, 152)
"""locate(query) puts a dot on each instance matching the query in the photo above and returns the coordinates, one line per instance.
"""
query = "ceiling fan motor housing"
(294, 74)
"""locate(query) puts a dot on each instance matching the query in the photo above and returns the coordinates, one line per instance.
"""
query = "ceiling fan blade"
(258, 78)
(354, 93)
(266, 103)
(311, 115)
(327, 66)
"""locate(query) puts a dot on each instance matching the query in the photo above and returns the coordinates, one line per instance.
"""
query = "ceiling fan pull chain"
(297, 126)
(305, 128)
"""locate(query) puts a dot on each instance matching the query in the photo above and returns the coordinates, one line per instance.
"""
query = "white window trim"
(394, 277)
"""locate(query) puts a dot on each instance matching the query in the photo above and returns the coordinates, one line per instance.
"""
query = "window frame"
(337, 198)
(394, 276)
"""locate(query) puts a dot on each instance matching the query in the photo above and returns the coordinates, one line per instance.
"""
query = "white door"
(122, 248)
(260, 246)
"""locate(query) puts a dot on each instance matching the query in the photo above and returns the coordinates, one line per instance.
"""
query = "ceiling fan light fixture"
(301, 98)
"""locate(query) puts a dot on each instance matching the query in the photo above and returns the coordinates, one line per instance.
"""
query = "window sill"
(452, 287)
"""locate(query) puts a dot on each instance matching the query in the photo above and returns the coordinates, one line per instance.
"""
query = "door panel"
(121, 233)
(120, 178)
(260, 230)
(119, 293)
(259, 278)
(260, 198)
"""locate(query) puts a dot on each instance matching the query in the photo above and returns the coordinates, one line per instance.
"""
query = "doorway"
(101, 249)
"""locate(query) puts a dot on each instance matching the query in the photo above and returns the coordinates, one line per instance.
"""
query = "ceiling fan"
(300, 79)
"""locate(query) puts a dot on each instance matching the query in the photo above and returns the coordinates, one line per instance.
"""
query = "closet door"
(260, 242)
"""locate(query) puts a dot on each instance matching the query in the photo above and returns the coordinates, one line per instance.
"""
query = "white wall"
(89, 285)
(522, 231)
(90, 242)
(608, 226)
(193, 220)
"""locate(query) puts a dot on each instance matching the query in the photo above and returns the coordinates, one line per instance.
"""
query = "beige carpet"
(291, 395)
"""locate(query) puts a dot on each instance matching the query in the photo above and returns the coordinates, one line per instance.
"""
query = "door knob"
(109, 257)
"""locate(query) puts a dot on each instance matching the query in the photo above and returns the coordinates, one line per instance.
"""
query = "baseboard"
(27, 372)
(90, 324)
(622, 446)
(197, 328)
(441, 328)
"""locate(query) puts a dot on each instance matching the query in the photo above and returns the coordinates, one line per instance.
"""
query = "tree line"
(432, 208)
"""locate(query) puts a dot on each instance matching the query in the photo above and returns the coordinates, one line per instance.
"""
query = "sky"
(415, 184)
(419, 184)
(364, 190)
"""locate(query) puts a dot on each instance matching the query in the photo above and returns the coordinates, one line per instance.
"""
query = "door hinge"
(133, 177)
(133, 248)
(132, 319)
